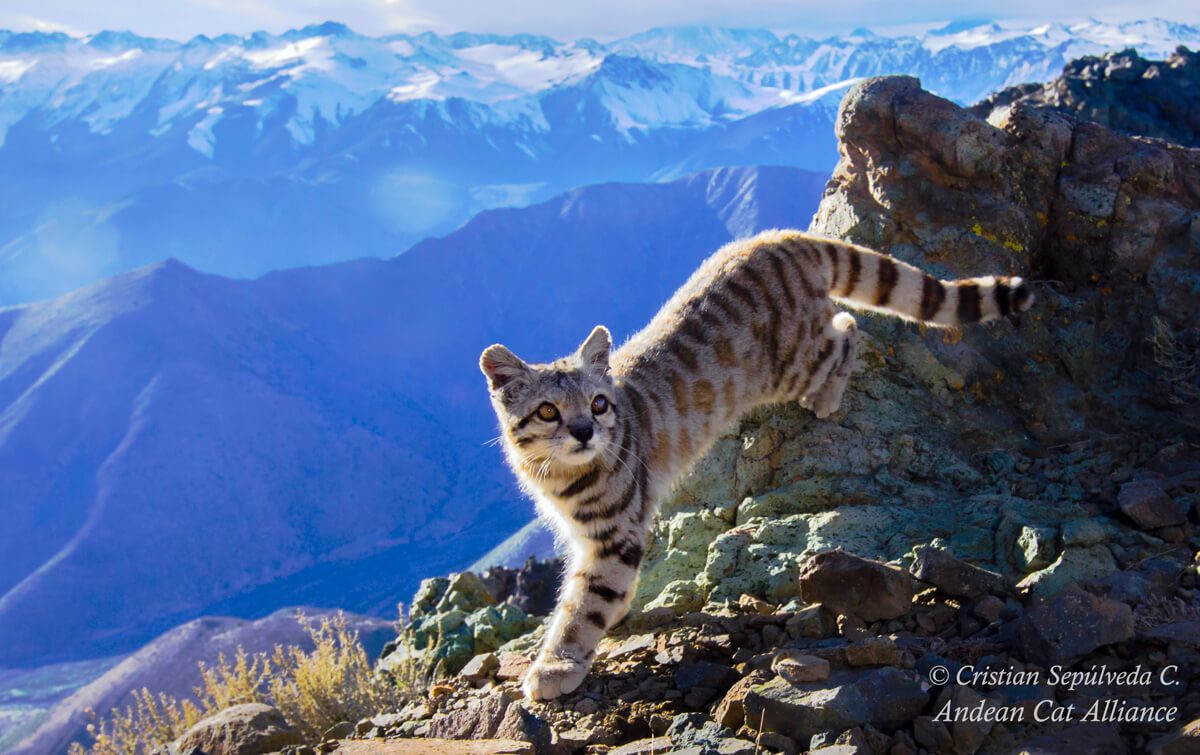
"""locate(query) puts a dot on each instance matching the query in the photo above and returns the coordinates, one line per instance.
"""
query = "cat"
(597, 438)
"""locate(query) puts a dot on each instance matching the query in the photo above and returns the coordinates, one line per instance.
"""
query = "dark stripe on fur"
(855, 271)
(834, 265)
(605, 593)
(743, 293)
(968, 302)
(726, 306)
(887, 276)
(683, 354)
(597, 619)
(933, 294)
(1001, 295)
(781, 275)
(585, 481)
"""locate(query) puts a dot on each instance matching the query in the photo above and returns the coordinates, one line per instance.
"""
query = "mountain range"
(176, 444)
(243, 154)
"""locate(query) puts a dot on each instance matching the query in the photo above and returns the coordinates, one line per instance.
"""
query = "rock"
(1035, 548)
(988, 609)
(954, 576)
(1184, 741)
(713, 676)
(1073, 566)
(480, 718)
(857, 586)
(1122, 91)
(679, 596)
(731, 710)
(1083, 532)
(652, 746)
(523, 725)
(1148, 505)
(480, 667)
(1070, 626)
(932, 734)
(702, 735)
(533, 587)
(1078, 739)
(465, 592)
(873, 651)
(883, 697)
(798, 668)
(340, 730)
(247, 729)
(512, 666)
(426, 746)
(751, 604)
(811, 621)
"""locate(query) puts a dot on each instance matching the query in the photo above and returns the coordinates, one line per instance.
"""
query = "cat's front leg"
(600, 584)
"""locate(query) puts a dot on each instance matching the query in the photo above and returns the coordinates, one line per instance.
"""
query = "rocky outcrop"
(250, 729)
(1123, 91)
(972, 506)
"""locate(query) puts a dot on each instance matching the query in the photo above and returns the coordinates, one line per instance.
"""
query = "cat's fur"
(755, 324)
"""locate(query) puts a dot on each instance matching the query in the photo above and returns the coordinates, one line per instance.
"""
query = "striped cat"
(597, 439)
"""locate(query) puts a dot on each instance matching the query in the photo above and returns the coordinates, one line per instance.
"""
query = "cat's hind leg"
(831, 374)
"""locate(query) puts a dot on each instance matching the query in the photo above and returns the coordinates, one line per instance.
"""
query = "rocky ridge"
(988, 510)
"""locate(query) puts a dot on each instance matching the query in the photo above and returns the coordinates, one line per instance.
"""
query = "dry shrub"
(313, 689)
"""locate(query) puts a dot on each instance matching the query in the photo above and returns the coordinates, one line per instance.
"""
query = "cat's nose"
(582, 431)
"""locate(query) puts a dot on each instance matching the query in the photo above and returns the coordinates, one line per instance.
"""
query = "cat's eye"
(547, 412)
(599, 405)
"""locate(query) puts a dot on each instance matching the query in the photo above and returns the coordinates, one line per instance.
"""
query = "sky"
(565, 19)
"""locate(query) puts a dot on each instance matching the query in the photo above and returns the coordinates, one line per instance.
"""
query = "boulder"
(247, 729)
(954, 576)
(884, 697)
(1079, 739)
(1149, 506)
(857, 586)
(1184, 741)
(798, 668)
(1070, 626)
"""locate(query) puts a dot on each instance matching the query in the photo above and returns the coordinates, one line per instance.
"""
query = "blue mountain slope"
(174, 444)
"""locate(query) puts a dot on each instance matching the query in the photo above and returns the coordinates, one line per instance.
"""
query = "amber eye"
(599, 405)
(547, 412)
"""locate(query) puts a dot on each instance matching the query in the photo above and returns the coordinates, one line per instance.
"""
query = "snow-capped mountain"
(243, 154)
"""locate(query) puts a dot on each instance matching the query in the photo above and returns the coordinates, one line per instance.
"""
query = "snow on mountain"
(245, 154)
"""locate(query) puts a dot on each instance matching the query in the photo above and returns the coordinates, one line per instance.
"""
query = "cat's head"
(554, 417)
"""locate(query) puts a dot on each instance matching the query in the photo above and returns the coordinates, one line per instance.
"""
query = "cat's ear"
(501, 366)
(595, 350)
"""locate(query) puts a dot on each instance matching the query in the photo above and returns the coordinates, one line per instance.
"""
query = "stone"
(696, 731)
(954, 576)
(873, 651)
(340, 730)
(813, 622)
(465, 592)
(524, 725)
(651, 746)
(731, 710)
(751, 604)
(713, 676)
(427, 746)
(988, 609)
(1083, 532)
(884, 697)
(1073, 566)
(1183, 741)
(480, 668)
(1149, 506)
(479, 719)
(512, 666)
(1035, 548)
(798, 668)
(1078, 739)
(1070, 626)
(679, 596)
(247, 729)
(857, 586)
(932, 734)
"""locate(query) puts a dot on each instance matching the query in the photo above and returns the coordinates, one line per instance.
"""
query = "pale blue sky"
(565, 19)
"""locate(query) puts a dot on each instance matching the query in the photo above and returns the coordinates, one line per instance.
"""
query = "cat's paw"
(551, 677)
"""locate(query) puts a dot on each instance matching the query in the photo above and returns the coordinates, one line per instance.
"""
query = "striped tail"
(864, 279)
